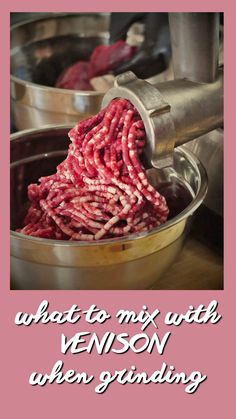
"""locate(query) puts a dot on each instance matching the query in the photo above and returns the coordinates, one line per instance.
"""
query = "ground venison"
(101, 189)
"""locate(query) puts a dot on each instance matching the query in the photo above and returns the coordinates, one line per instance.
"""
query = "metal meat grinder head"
(180, 110)
(155, 113)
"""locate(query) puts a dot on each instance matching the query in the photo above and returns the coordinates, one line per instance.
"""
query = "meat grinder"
(188, 107)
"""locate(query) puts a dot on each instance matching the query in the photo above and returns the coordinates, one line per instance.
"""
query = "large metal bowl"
(40, 50)
(132, 262)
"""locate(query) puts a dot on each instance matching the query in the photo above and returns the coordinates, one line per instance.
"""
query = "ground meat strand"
(101, 189)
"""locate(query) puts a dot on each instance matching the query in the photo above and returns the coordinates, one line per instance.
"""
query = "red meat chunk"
(104, 59)
(107, 58)
(76, 77)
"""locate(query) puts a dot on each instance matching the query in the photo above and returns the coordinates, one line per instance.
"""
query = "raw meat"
(104, 59)
(101, 189)
(76, 77)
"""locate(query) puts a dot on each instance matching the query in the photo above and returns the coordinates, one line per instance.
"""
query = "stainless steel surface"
(132, 262)
(195, 45)
(40, 51)
(197, 60)
(173, 112)
(210, 151)
(195, 108)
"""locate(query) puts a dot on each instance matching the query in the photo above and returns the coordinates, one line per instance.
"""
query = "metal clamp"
(155, 113)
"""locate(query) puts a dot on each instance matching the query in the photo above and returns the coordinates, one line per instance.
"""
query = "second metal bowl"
(40, 50)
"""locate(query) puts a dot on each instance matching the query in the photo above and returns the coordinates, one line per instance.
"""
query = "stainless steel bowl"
(40, 50)
(132, 262)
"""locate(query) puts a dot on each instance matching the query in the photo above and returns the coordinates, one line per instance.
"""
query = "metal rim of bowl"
(190, 209)
(49, 88)
(56, 89)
